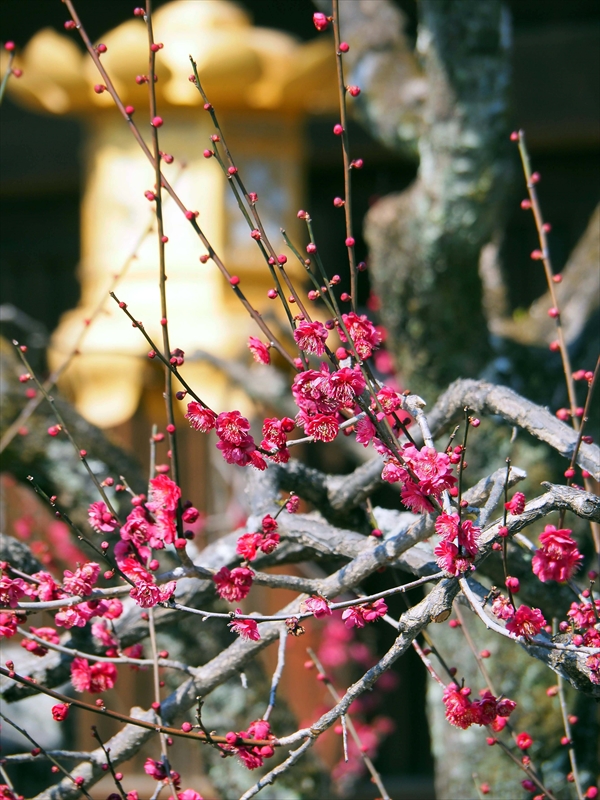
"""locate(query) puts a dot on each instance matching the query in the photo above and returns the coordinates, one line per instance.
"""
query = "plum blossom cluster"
(458, 546)
(158, 771)
(462, 712)
(245, 628)
(424, 475)
(525, 621)
(317, 606)
(234, 584)
(151, 525)
(35, 648)
(94, 678)
(251, 757)
(274, 443)
(558, 557)
(249, 544)
(321, 395)
(358, 616)
(236, 443)
(43, 587)
(516, 505)
(584, 618)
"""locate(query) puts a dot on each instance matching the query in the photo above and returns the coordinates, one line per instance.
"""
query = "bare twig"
(283, 634)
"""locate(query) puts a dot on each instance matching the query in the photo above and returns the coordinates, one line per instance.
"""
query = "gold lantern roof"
(240, 66)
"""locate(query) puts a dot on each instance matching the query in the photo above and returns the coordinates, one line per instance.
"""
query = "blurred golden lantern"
(262, 83)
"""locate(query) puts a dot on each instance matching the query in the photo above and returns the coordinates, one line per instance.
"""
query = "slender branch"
(168, 393)
(170, 367)
(6, 75)
(168, 188)
(106, 752)
(271, 777)
(81, 454)
(527, 642)
(543, 240)
(23, 758)
(567, 726)
(140, 662)
(283, 636)
(347, 723)
(50, 757)
(107, 712)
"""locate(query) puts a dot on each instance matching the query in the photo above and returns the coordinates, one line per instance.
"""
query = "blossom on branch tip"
(233, 585)
(60, 712)
(98, 677)
(100, 518)
(526, 622)
(310, 337)
(147, 594)
(292, 504)
(246, 628)
(357, 616)
(318, 606)
(516, 505)
(362, 332)
(558, 558)
(259, 350)
(200, 418)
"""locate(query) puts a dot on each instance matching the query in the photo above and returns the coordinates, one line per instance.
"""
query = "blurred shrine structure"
(262, 83)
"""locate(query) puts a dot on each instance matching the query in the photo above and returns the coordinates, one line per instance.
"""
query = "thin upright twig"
(345, 154)
(51, 758)
(283, 636)
(347, 724)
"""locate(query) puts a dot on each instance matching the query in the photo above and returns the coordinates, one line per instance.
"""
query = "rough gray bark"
(425, 243)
